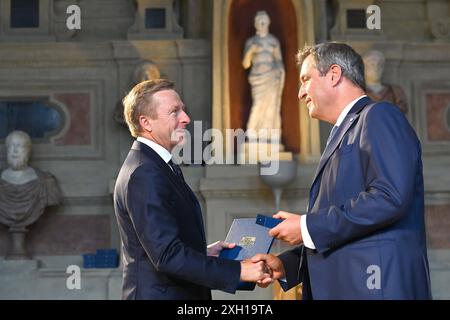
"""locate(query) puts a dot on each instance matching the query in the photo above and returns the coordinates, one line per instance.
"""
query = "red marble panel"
(55, 234)
(79, 107)
(437, 219)
(437, 127)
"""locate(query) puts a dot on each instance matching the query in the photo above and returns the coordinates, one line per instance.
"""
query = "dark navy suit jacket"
(163, 239)
(366, 213)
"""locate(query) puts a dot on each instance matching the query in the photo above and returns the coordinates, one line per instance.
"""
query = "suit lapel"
(198, 211)
(182, 188)
(348, 122)
(162, 165)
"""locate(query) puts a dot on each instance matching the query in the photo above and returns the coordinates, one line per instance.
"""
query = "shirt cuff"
(307, 241)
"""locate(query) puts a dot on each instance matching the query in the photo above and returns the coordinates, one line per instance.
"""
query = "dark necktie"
(333, 131)
(176, 169)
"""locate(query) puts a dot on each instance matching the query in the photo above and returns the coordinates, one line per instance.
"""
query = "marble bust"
(262, 54)
(374, 62)
(24, 191)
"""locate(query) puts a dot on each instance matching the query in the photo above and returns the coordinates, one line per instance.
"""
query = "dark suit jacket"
(163, 238)
(366, 212)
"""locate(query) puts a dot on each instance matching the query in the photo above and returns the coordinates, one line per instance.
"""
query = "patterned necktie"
(333, 131)
(176, 169)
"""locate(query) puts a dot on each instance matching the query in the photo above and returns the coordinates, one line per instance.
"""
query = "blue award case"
(251, 237)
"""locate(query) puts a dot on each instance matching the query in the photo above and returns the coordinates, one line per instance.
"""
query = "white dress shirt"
(307, 241)
(160, 150)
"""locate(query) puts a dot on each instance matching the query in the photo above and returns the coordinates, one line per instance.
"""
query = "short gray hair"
(328, 53)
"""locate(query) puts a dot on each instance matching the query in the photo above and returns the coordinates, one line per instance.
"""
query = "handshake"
(266, 268)
(262, 269)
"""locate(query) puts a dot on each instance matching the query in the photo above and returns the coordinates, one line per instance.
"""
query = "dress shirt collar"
(347, 110)
(160, 150)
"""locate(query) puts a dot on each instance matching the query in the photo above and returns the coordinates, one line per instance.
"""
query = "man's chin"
(180, 141)
(180, 137)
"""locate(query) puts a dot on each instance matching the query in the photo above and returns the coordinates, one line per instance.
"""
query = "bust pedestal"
(18, 249)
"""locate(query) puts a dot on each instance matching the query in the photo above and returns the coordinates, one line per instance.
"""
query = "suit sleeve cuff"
(307, 241)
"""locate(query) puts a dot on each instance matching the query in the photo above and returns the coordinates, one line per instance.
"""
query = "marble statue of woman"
(263, 54)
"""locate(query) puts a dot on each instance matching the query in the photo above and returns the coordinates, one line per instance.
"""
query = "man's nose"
(301, 93)
(185, 118)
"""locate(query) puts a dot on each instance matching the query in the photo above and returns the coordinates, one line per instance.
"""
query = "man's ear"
(145, 123)
(336, 74)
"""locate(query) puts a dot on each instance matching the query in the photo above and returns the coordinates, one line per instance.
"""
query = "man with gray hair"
(363, 235)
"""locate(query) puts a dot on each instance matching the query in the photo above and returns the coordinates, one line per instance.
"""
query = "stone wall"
(87, 72)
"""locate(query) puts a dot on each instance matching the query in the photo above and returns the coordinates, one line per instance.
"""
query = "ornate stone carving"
(440, 28)
(438, 12)
(155, 19)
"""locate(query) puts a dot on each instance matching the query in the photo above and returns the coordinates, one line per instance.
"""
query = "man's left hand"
(288, 230)
(214, 249)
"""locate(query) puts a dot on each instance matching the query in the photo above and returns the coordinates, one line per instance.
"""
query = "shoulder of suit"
(143, 163)
(150, 175)
(382, 113)
(382, 107)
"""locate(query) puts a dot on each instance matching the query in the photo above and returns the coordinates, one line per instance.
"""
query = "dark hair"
(328, 53)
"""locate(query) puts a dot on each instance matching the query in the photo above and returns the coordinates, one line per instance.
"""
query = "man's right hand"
(275, 265)
(253, 272)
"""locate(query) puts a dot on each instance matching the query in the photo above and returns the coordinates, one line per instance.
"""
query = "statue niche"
(247, 24)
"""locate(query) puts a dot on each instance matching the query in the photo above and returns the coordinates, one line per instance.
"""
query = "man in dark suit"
(160, 221)
(363, 235)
